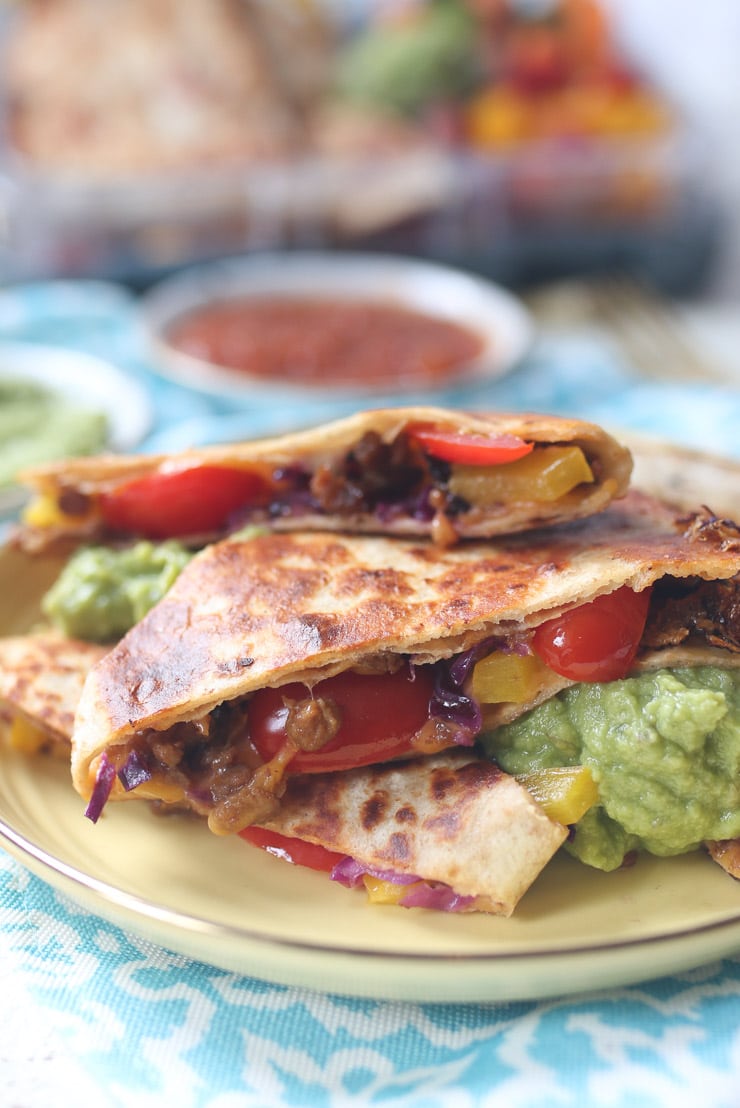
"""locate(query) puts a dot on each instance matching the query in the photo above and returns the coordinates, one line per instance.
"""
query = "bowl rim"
(86, 380)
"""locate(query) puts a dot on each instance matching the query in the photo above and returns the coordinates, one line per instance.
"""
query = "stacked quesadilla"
(338, 683)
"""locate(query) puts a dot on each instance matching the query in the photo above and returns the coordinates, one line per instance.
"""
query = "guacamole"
(102, 592)
(36, 426)
(663, 748)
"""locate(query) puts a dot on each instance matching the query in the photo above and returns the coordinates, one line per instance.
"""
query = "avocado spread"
(663, 748)
(37, 426)
(102, 592)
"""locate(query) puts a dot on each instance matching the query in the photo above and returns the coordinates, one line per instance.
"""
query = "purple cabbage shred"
(298, 498)
(423, 894)
(349, 872)
(104, 779)
(417, 507)
(134, 772)
(450, 703)
(437, 896)
(461, 665)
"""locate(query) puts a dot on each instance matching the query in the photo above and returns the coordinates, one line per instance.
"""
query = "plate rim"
(496, 973)
(146, 906)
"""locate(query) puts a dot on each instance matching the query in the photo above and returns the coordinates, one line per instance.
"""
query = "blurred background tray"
(523, 146)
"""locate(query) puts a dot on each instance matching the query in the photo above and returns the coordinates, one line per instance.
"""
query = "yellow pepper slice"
(383, 892)
(565, 793)
(507, 678)
(498, 118)
(545, 475)
(44, 511)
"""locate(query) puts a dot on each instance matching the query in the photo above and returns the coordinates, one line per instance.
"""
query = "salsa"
(311, 341)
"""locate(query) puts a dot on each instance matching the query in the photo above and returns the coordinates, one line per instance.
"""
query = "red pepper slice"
(184, 502)
(293, 850)
(473, 450)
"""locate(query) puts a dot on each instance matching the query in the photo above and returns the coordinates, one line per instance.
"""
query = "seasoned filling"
(312, 723)
(230, 767)
(682, 609)
(372, 473)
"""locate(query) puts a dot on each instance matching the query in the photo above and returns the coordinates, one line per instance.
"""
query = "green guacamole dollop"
(102, 592)
(663, 748)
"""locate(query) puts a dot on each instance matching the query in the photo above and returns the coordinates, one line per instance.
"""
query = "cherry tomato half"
(380, 715)
(472, 450)
(185, 502)
(596, 641)
(291, 849)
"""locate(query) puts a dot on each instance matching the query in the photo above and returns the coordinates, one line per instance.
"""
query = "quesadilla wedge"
(406, 471)
(41, 679)
(299, 653)
(450, 832)
(415, 829)
(417, 840)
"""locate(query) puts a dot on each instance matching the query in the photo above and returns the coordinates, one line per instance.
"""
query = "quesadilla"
(314, 652)
(41, 679)
(406, 471)
(450, 832)
(405, 829)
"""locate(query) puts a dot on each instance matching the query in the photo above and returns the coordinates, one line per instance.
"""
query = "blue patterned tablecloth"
(139, 1025)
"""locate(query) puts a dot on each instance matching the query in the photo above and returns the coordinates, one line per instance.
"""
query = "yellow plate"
(224, 902)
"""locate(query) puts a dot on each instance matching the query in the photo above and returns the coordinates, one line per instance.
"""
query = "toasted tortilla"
(41, 679)
(309, 476)
(282, 608)
(684, 476)
(451, 818)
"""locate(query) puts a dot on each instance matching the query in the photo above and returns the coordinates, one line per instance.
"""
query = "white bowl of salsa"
(319, 325)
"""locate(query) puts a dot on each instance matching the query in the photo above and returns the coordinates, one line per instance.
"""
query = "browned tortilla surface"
(286, 607)
(450, 818)
(41, 676)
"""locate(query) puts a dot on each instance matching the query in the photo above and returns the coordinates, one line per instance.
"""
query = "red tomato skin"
(183, 502)
(596, 641)
(481, 450)
(293, 850)
(381, 713)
